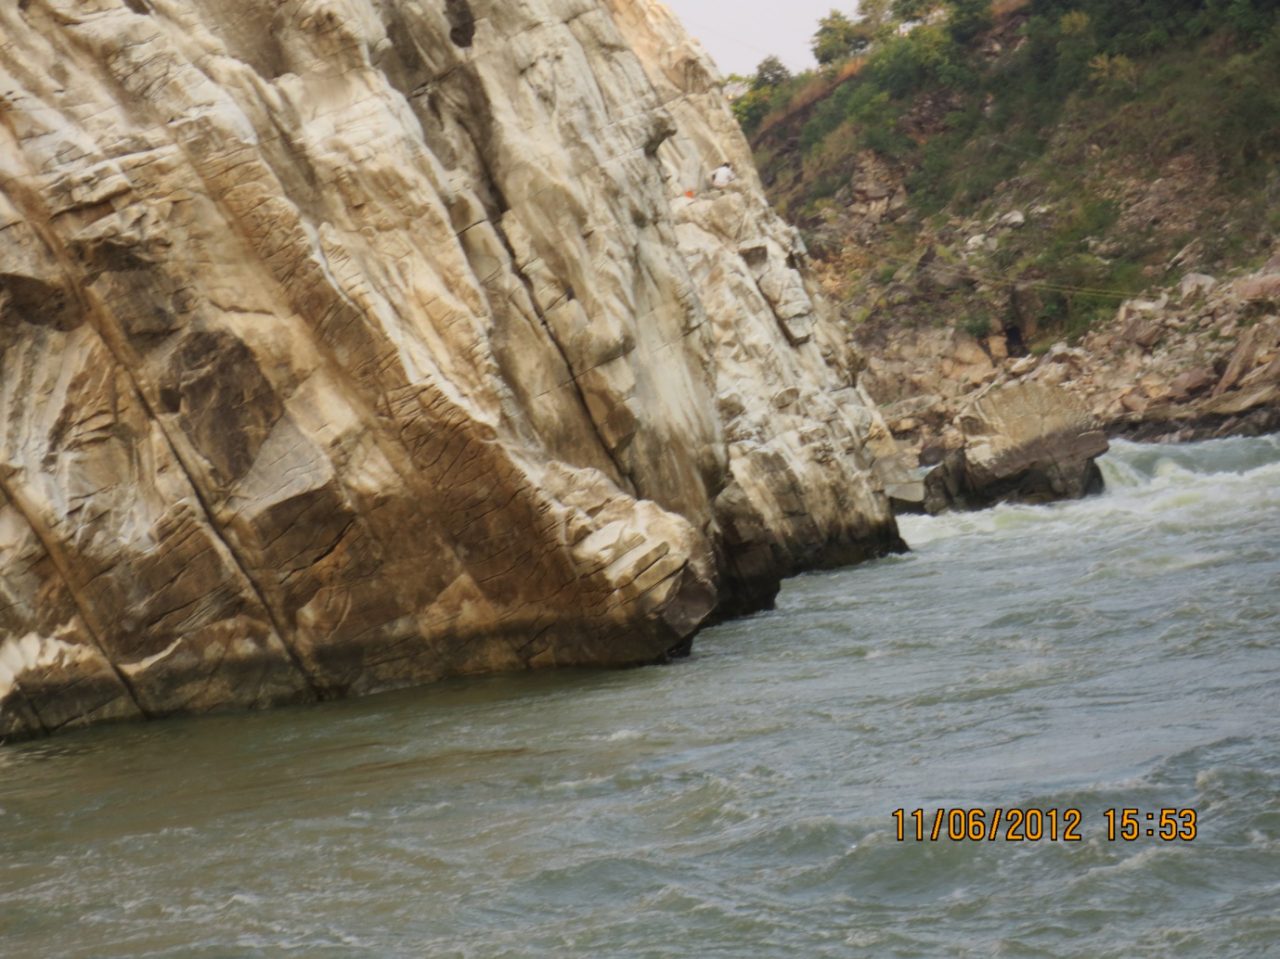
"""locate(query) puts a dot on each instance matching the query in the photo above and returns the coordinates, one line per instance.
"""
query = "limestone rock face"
(1026, 443)
(350, 344)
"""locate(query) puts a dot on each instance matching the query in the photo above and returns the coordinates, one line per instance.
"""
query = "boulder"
(1025, 443)
(1024, 365)
(873, 190)
(1130, 308)
(1196, 284)
(1190, 383)
(1260, 286)
(1241, 362)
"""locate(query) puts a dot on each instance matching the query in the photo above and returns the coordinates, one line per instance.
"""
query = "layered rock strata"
(346, 345)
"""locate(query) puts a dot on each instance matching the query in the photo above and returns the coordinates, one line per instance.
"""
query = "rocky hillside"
(345, 345)
(1076, 193)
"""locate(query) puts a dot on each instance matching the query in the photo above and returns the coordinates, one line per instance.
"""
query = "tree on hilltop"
(837, 38)
(771, 72)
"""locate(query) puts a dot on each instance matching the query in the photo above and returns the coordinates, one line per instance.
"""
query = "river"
(1117, 653)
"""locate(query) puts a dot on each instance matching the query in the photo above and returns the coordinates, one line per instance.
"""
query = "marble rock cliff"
(350, 344)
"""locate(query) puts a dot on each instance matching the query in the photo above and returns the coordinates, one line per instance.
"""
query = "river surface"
(1122, 652)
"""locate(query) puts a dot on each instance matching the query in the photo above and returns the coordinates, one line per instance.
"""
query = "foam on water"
(1114, 653)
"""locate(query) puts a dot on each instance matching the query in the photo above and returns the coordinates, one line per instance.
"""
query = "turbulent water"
(1119, 653)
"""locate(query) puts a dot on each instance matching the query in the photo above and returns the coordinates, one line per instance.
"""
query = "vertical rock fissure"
(86, 613)
(223, 539)
(475, 123)
(623, 473)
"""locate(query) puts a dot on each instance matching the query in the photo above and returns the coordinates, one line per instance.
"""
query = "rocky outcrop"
(1207, 361)
(348, 345)
(1195, 360)
(1026, 443)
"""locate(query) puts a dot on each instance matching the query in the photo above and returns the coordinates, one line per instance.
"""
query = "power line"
(715, 32)
(997, 279)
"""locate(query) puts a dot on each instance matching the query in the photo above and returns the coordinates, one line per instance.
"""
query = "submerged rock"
(348, 345)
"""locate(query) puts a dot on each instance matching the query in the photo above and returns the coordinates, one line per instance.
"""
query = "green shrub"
(1079, 60)
(977, 326)
(1247, 92)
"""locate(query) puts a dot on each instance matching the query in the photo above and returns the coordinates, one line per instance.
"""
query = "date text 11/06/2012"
(1033, 825)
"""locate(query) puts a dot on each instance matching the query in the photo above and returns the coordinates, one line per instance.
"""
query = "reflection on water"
(1116, 653)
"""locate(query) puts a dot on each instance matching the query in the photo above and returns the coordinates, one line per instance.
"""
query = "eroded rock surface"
(346, 345)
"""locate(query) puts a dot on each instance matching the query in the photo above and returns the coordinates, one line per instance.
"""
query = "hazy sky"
(741, 33)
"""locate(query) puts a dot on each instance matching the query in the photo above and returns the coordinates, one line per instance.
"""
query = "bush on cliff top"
(1028, 109)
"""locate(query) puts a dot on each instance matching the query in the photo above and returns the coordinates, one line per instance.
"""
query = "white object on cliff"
(722, 176)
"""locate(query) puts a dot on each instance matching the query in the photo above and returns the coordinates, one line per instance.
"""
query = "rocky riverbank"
(1199, 361)
(1197, 357)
